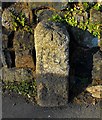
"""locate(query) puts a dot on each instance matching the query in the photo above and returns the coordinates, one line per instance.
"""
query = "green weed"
(25, 88)
(70, 19)
(21, 22)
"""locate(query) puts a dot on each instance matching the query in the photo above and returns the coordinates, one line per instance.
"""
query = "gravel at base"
(15, 106)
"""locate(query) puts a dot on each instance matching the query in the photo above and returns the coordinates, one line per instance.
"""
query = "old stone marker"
(52, 68)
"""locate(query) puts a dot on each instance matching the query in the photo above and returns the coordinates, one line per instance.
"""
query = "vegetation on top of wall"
(70, 19)
(86, 5)
(20, 22)
(98, 6)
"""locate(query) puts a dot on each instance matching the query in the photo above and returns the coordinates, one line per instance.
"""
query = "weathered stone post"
(52, 67)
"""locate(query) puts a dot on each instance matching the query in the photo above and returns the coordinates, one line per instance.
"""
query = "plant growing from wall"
(25, 88)
(20, 21)
(70, 19)
(98, 6)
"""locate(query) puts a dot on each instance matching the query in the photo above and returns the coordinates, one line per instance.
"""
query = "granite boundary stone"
(52, 67)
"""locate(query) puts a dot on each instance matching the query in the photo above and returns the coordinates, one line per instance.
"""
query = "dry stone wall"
(96, 17)
(58, 56)
(16, 59)
(51, 43)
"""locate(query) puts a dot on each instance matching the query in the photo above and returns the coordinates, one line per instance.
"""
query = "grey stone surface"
(3, 60)
(101, 44)
(97, 66)
(28, 14)
(80, 17)
(0, 63)
(6, 59)
(52, 67)
(45, 14)
(6, 31)
(7, 19)
(4, 41)
(23, 40)
(15, 74)
(10, 13)
(7, 38)
(96, 18)
(24, 59)
(56, 5)
(84, 38)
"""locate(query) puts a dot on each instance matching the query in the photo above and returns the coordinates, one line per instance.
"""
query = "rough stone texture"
(28, 14)
(6, 59)
(5, 31)
(3, 60)
(80, 17)
(101, 44)
(7, 38)
(25, 9)
(0, 62)
(14, 74)
(84, 38)
(4, 41)
(97, 67)
(8, 55)
(96, 17)
(24, 59)
(14, 10)
(23, 40)
(52, 67)
(23, 44)
(56, 5)
(7, 19)
(45, 14)
(96, 91)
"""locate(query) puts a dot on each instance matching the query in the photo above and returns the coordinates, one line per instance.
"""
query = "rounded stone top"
(55, 5)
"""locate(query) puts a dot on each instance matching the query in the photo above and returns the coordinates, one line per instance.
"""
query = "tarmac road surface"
(16, 106)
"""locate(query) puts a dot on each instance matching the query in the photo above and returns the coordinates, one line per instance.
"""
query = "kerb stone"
(52, 68)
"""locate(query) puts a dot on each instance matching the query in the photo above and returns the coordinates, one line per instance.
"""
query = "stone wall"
(42, 54)
(58, 56)
(96, 17)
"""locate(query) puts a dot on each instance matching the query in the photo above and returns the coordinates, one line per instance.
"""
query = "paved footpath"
(15, 106)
